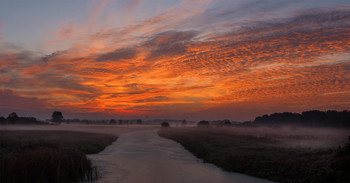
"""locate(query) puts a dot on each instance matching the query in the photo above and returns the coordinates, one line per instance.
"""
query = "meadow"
(49, 156)
(281, 154)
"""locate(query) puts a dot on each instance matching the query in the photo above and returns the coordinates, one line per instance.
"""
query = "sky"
(173, 59)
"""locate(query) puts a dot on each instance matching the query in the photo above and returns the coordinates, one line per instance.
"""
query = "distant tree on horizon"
(57, 117)
(226, 122)
(184, 122)
(12, 118)
(139, 121)
(203, 123)
(328, 118)
(113, 121)
(2, 120)
(165, 125)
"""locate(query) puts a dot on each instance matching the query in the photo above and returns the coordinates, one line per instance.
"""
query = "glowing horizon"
(201, 59)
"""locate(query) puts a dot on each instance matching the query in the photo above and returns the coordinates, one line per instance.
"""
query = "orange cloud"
(153, 68)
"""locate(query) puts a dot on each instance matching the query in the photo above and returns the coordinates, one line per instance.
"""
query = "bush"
(165, 125)
(203, 124)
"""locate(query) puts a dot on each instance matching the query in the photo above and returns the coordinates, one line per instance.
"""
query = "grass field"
(49, 156)
(281, 155)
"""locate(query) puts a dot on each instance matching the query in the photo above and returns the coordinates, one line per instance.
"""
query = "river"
(144, 157)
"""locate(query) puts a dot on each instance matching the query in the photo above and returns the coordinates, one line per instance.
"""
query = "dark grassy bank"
(266, 156)
(49, 156)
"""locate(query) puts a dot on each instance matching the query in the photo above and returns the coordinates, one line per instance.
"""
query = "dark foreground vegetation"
(282, 157)
(49, 156)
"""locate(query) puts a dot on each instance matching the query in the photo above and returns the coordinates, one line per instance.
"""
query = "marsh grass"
(264, 156)
(49, 156)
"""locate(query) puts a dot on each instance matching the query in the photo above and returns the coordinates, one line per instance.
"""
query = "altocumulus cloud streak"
(193, 59)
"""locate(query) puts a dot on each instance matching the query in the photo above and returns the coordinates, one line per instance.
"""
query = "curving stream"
(144, 157)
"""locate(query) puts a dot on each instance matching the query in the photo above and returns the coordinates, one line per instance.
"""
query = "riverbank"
(282, 157)
(144, 157)
(49, 156)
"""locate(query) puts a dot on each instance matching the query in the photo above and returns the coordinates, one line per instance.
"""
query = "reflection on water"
(145, 157)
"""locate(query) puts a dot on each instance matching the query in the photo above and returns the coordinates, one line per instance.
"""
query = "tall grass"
(265, 157)
(49, 156)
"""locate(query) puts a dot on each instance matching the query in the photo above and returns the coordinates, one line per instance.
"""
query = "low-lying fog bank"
(96, 128)
(282, 154)
(293, 136)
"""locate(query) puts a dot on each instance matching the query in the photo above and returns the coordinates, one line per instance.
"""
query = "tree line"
(13, 118)
(313, 118)
(57, 118)
(330, 118)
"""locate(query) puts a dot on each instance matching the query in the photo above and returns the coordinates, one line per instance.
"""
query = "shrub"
(203, 123)
(165, 125)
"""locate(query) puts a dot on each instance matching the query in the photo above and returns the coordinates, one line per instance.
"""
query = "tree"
(113, 121)
(2, 120)
(57, 117)
(226, 122)
(12, 118)
(184, 122)
(139, 121)
(165, 125)
(27, 120)
(203, 123)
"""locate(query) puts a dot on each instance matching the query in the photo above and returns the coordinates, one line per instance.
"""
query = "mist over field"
(104, 129)
(309, 137)
(296, 136)
(138, 147)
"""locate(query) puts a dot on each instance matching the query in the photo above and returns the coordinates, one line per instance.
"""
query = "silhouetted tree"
(226, 122)
(313, 118)
(307, 118)
(203, 123)
(139, 121)
(2, 120)
(113, 121)
(57, 117)
(12, 118)
(184, 122)
(165, 125)
(27, 120)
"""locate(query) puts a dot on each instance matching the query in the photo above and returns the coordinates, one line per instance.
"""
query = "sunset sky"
(189, 59)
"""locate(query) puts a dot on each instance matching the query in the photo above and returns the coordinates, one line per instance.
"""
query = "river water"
(144, 157)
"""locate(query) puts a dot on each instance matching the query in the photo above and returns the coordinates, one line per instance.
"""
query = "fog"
(95, 128)
(294, 136)
(140, 155)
